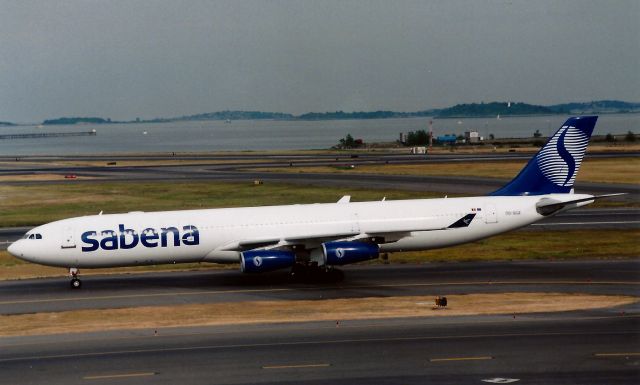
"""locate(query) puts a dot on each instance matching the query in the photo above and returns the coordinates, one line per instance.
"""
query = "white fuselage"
(405, 224)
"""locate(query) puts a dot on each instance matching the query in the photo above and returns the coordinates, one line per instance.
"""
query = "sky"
(147, 59)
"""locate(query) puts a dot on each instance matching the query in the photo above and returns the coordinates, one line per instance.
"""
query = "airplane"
(316, 236)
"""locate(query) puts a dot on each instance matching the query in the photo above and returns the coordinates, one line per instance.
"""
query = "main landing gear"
(75, 282)
(311, 272)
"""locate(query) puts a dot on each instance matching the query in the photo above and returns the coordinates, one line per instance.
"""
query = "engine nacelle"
(342, 252)
(260, 261)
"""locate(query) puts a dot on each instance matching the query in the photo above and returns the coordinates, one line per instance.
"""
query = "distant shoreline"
(133, 122)
(459, 111)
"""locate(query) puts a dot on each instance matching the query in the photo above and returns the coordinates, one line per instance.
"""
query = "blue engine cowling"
(260, 261)
(342, 252)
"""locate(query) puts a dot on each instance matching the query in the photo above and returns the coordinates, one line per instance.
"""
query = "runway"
(172, 288)
(580, 347)
(595, 347)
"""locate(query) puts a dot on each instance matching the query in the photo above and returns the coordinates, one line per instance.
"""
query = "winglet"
(345, 199)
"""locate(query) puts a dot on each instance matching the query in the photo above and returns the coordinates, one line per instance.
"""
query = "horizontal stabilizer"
(548, 206)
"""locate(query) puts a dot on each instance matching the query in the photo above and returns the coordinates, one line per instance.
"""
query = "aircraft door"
(355, 222)
(490, 214)
(68, 238)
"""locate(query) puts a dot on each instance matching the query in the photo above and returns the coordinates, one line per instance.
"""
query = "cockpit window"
(32, 236)
(38, 236)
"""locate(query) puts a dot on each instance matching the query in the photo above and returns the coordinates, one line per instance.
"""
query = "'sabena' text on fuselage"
(149, 237)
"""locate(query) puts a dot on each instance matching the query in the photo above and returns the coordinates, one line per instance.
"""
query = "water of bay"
(206, 136)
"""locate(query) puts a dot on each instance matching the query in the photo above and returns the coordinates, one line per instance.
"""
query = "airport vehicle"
(316, 237)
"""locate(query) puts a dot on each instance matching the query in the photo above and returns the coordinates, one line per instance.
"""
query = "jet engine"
(260, 261)
(344, 252)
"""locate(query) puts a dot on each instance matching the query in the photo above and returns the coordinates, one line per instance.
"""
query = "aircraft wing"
(315, 240)
(249, 244)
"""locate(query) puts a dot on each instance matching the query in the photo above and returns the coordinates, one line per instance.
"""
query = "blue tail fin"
(555, 166)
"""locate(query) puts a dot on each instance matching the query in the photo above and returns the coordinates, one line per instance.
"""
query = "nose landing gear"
(75, 282)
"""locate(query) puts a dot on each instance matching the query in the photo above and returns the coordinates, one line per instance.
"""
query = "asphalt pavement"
(219, 286)
(594, 347)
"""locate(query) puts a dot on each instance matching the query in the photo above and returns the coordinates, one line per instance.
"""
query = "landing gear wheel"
(315, 274)
(75, 283)
(334, 275)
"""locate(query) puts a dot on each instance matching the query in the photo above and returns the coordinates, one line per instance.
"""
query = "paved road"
(170, 288)
(595, 347)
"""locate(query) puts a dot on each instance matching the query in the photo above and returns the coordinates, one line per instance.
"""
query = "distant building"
(447, 139)
(419, 150)
(472, 137)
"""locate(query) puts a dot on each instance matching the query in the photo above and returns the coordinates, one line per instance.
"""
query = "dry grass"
(618, 170)
(298, 311)
(542, 245)
(36, 204)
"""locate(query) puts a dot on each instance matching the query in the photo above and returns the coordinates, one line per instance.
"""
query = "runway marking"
(616, 354)
(480, 358)
(315, 342)
(124, 375)
(296, 366)
(241, 291)
(587, 223)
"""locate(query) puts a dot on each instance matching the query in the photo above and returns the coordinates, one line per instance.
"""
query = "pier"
(48, 135)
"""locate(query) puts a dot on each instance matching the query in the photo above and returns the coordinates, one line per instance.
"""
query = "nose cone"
(15, 249)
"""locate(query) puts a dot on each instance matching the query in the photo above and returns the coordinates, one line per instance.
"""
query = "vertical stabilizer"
(554, 168)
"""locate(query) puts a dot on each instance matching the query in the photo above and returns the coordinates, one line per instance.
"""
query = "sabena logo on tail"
(554, 168)
(560, 159)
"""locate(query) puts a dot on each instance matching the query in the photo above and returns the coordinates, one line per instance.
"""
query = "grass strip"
(616, 170)
(155, 317)
(37, 204)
